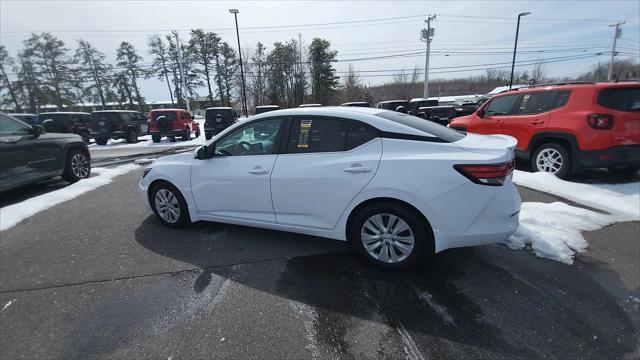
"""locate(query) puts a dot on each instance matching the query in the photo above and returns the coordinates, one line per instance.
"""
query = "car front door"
(235, 183)
(530, 116)
(17, 162)
(494, 114)
(327, 163)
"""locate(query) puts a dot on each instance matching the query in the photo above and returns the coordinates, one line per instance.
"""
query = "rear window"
(110, 116)
(171, 115)
(625, 99)
(428, 127)
(213, 113)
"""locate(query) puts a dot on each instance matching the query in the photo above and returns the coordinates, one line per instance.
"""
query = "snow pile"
(13, 214)
(621, 200)
(553, 230)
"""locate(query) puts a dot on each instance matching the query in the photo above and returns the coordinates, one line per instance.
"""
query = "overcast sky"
(469, 35)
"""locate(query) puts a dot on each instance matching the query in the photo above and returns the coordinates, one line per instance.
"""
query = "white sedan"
(398, 187)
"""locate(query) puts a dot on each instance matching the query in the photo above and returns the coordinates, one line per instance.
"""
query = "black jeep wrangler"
(217, 119)
(118, 124)
(67, 123)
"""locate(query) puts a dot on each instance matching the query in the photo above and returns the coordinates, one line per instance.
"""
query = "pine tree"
(161, 61)
(229, 69)
(92, 62)
(129, 59)
(323, 80)
(203, 48)
(6, 62)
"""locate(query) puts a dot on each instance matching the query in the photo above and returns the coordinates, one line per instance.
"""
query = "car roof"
(64, 112)
(355, 102)
(112, 111)
(571, 85)
(392, 101)
(220, 108)
(265, 106)
(437, 107)
(22, 114)
(365, 114)
(172, 109)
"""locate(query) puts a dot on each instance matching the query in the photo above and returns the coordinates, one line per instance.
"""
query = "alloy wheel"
(387, 238)
(80, 166)
(549, 160)
(167, 206)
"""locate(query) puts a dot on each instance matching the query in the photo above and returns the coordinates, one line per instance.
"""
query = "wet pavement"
(99, 277)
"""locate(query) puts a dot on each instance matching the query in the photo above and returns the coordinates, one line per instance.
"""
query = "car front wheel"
(169, 205)
(77, 166)
(552, 158)
(132, 137)
(391, 235)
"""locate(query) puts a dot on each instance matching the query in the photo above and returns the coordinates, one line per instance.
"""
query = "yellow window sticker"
(303, 138)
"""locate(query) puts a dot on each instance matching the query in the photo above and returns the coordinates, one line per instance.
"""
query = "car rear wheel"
(391, 235)
(101, 141)
(132, 136)
(208, 135)
(197, 133)
(552, 158)
(186, 136)
(77, 166)
(155, 138)
(169, 205)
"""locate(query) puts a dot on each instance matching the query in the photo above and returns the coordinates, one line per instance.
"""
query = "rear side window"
(536, 102)
(359, 133)
(625, 99)
(502, 105)
(317, 135)
(430, 128)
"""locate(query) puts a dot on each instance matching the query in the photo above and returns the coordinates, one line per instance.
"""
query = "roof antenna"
(619, 72)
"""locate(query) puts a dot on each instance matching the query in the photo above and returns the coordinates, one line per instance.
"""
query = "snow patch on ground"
(13, 214)
(554, 231)
(621, 200)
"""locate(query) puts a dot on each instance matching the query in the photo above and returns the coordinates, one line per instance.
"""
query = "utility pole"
(616, 35)
(244, 93)
(183, 74)
(426, 35)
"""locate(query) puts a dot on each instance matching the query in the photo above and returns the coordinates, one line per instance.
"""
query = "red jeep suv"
(172, 123)
(562, 128)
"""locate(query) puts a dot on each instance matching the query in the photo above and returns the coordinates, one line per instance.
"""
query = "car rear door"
(327, 162)
(529, 117)
(236, 182)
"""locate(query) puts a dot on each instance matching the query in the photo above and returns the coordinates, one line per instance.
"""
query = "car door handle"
(537, 122)
(357, 168)
(258, 171)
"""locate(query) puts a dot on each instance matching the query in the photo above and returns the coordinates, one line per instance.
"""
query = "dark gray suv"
(28, 155)
(118, 124)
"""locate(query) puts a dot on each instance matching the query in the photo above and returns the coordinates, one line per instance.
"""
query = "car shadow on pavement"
(484, 302)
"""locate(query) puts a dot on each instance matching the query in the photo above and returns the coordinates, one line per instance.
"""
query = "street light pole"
(515, 46)
(426, 35)
(244, 94)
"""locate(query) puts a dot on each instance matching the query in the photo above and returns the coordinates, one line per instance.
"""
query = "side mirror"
(36, 130)
(203, 153)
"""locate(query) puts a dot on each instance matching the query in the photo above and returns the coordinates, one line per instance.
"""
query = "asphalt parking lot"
(100, 277)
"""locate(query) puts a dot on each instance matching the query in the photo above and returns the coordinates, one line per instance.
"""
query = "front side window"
(309, 135)
(11, 127)
(259, 138)
(502, 105)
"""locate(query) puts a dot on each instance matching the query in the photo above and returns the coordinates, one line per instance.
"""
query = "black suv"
(466, 109)
(27, 155)
(118, 124)
(217, 119)
(438, 114)
(418, 103)
(394, 105)
(67, 122)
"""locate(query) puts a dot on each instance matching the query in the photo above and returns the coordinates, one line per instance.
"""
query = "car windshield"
(171, 115)
(428, 127)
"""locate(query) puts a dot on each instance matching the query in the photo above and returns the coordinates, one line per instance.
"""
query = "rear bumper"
(175, 132)
(113, 134)
(623, 155)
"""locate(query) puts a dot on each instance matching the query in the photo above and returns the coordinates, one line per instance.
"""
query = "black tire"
(186, 136)
(132, 136)
(625, 171)
(183, 218)
(423, 246)
(155, 138)
(101, 141)
(172, 138)
(197, 134)
(208, 136)
(564, 171)
(85, 137)
(76, 166)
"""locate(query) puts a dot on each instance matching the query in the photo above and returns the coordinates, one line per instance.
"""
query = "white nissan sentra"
(398, 187)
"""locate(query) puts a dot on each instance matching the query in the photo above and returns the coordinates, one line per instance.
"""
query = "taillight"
(600, 121)
(486, 174)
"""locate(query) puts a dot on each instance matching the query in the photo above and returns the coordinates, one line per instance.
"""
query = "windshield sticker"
(303, 138)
